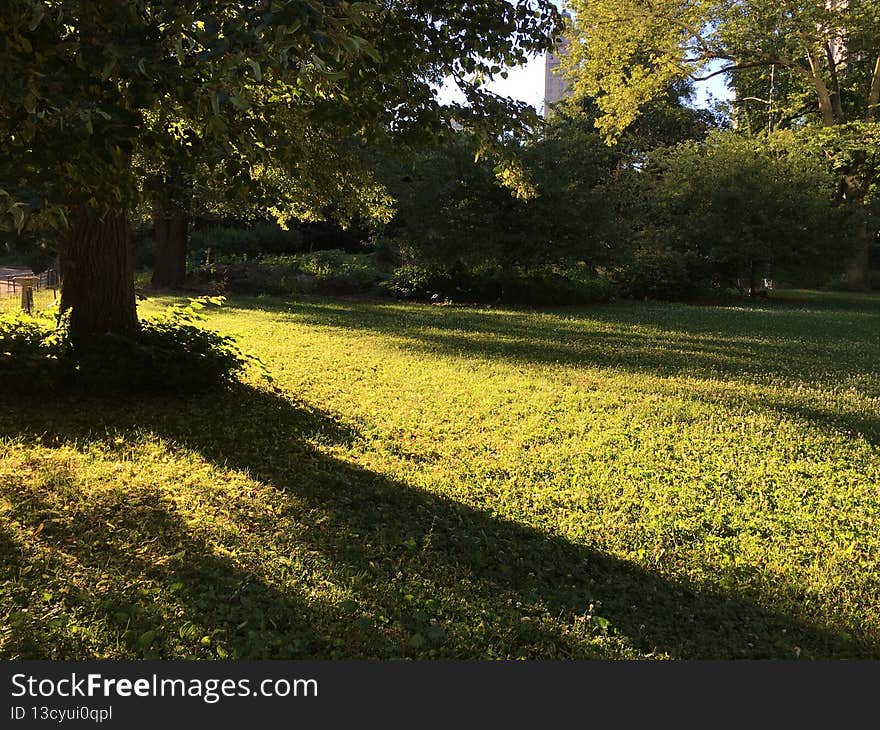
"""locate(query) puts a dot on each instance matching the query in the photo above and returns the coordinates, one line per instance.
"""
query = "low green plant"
(229, 244)
(324, 272)
(661, 272)
(32, 349)
(633, 480)
(171, 352)
(546, 285)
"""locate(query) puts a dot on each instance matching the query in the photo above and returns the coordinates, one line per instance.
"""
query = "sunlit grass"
(630, 480)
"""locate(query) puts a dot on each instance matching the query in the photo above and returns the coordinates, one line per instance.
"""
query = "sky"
(526, 83)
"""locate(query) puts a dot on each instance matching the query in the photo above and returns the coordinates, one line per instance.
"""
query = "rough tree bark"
(171, 228)
(171, 208)
(858, 267)
(97, 273)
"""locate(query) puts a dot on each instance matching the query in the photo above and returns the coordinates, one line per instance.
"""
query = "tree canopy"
(625, 52)
(89, 90)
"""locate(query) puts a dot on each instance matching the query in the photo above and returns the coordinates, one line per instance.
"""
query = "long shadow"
(431, 575)
(858, 424)
(658, 340)
(127, 577)
(715, 344)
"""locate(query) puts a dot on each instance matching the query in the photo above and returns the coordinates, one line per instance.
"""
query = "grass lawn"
(633, 480)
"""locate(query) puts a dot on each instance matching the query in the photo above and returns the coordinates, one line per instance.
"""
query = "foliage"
(657, 269)
(147, 98)
(452, 207)
(725, 211)
(635, 481)
(170, 353)
(32, 249)
(325, 264)
(808, 64)
(625, 53)
(88, 90)
(32, 350)
(536, 285)
(851, 151)
(669, 118)
(250, 243)
(327, 272)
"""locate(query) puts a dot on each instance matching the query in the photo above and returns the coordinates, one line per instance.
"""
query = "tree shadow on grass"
(719, 344)
(127, 577)
(659, 340)
(426, 575)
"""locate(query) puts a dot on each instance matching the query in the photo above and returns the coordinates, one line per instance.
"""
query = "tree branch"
(733, 67)
(874, 95)
(836, 102)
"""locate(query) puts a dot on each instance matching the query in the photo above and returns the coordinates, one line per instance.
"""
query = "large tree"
(733, 209)
(451, 209)
(627, 52)
(83, 82)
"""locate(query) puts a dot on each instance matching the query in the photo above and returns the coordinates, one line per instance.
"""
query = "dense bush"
(725, 212)
(660, 271)
(170, 353)
(487, 283)
(549, 285)
(322, 272)
(33, 351)
(244, 243)
(452, 207)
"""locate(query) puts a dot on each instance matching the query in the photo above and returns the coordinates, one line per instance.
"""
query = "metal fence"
(30, 293)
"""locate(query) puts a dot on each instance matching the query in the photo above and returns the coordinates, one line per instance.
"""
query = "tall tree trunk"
(172, 201)
(97, 273)
(858, 268)
(874, 94)
(171, 228)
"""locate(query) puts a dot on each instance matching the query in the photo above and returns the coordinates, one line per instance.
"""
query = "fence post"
(27, 295)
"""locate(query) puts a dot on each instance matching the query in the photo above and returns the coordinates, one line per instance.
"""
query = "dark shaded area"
(209, 594)
(468, 582)
(790, 343)
(793, 344)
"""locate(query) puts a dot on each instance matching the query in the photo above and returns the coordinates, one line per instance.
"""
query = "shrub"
(719, 213)
(32, 350)
(418, 282)
(232, 244)
(322, 272)
(489, 283)
(554, 286)
(659, 272)
(170, 353)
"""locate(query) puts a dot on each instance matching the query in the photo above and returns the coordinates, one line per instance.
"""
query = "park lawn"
(631, 480)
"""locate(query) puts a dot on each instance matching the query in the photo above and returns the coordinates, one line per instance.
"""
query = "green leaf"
(255, 68)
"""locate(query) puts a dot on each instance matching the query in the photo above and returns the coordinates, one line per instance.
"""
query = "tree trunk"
(858, 268)
(171, 243)
(97, 274)
(172, 201)
(874, 94)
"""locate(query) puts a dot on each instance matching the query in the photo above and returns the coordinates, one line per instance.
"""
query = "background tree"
(627, 52)
(730, 210)
(323, 174)
(664, 120)
(452, 208)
